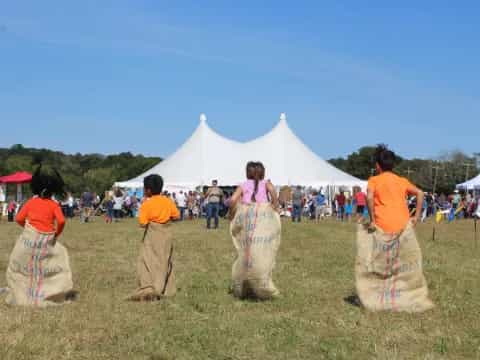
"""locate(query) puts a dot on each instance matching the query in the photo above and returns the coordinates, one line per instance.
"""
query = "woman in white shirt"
(118, 201)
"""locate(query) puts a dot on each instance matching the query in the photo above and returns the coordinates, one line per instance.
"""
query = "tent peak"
(283, 117)
(203, 118)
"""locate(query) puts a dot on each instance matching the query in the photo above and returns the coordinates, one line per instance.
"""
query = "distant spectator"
(11, 210)
(319, 207)
(118, 202)
(87, 201)
(182, 204)
(70, 205)
(297, 199)
(213, 196)
(341, 201)
(109, 209)
(361, 201)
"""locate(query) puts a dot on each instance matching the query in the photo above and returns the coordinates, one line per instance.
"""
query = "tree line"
(96, 172)
(440, 174)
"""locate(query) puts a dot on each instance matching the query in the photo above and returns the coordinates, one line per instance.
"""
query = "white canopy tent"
(206, 155)
(471, 184)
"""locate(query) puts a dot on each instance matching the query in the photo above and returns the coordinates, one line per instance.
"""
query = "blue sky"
(111, 76)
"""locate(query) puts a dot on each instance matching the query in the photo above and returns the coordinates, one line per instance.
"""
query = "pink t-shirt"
(248, 188)
(361, 198)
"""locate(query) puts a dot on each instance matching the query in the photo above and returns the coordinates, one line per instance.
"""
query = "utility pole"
(436, 168)
(409, 171)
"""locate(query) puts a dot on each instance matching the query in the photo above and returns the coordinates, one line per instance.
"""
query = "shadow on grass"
(353, 300)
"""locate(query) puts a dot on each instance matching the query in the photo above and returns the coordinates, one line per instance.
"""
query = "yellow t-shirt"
(390, 192)
(158, 209)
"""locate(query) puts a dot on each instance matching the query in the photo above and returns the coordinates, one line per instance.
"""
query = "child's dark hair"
(154, 183)
(384, 157)
(46, 185)
(256, 172)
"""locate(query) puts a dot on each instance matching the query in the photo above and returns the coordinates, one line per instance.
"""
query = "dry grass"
(309, 321)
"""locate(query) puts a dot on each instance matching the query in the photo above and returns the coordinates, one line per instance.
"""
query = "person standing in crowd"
(190, 204)
(118, 201)
(341, 200)
(456, 199)
(348, 210)
(109, 209)
(155, 267)
(11, 209)
(319, 207)
(3, 199)
(134, 204)
(361, 202)
(70, 205)
(182, 204)
(297, 202)
(213, 197)
(87, 201)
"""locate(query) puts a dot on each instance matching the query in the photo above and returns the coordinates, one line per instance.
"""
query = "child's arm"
(175, 214)
(273, 194)
(413, 190)
(60, 220)
(22, 215)
(371, 208)
(143, 216)
(234, 201)
(236, 197)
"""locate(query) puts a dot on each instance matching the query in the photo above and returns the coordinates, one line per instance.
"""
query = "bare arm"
(273, 194)
(233, 202)
(208, 193)
(236, 197)
(420, 196)
(371, 208)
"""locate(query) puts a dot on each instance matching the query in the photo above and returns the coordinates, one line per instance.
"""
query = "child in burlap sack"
(255, 230)
(389, 272)
(155, 270)
(39, 272)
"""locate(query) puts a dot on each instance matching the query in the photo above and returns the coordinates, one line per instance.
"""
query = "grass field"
(309, 321)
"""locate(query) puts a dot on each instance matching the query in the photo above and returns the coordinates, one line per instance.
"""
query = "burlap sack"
(256, 234)
(155, 272)
(38, 273)
(389, 272)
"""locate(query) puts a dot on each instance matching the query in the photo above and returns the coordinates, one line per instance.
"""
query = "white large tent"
(206, 155)
(470, 184)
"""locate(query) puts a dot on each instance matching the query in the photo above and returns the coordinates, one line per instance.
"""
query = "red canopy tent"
(18, 178)
(21, 177)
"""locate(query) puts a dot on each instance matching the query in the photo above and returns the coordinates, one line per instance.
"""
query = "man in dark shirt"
(87, 200)
(297, 199)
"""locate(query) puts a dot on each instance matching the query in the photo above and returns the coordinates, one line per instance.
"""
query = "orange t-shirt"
(158, 209)
(42, 215)
(390, 205)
